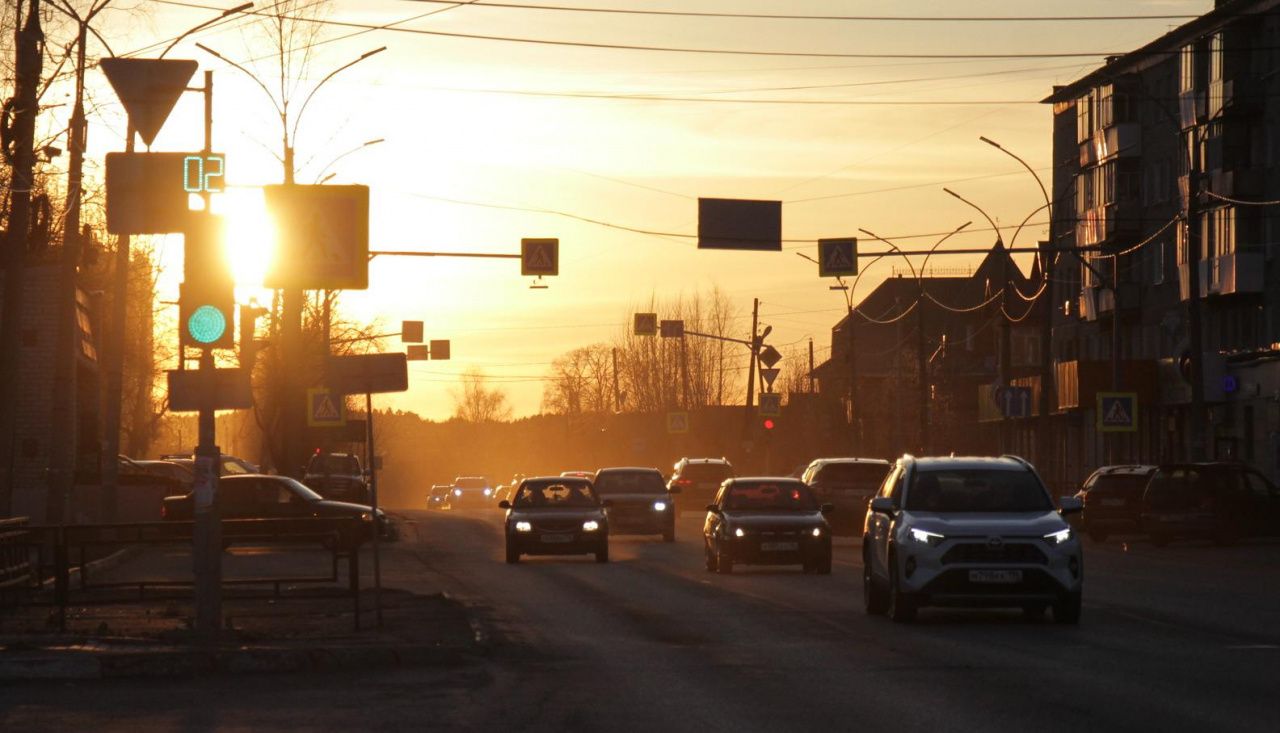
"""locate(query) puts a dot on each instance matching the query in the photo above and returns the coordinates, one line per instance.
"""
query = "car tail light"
(684, 482)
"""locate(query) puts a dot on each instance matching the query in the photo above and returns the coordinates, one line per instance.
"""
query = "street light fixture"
(230, 11)
(330, 164)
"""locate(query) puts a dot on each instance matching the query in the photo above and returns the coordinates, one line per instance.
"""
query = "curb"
(94, 665)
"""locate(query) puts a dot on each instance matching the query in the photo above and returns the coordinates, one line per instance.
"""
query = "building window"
(1215, 57)
(1084, 117)
(1187, 69)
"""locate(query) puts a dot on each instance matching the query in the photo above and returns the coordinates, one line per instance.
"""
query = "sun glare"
(250, 234)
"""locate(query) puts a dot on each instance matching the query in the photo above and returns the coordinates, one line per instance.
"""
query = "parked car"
(471, 492)
(971, 532)
(438, 498)
(697, 480)
(228, 466)
(767, 521)
(256, 496)
(337, 476)
(556, 515)
(1224, 502)
(847, 484)
(168, 469)
(1112, 498)
(640, 502)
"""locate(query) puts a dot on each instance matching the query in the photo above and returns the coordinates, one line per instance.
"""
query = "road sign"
(539, 257)
(1117, 412)
(770, 404)
(769, 375)
(148, 89)
(367, 373)
(417, 352)
(671, 329)
(740, 224)
(228, 388)
(677, 423)
(146, 193)
(769, 356)
(325, 409)
(646, 324)
(837, 257)
(1014, 402)
(322, 237)
(439, 349)
(411, 332)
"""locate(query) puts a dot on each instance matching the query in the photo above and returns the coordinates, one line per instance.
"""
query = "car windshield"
(345, 465)
(630, 482)
(976, 490)
(301, 489)
(555, 495)
(853, 475)
(716, 472)
(439, 490)
(1127, 484)
(770, 495)
(472, 483)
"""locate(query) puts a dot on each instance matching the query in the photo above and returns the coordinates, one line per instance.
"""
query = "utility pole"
(922, 372)
(1199, 428)
(751, 368)
(1044, 422)
(28, 60)
(1006, 346)
(810, 366)
(855, 420)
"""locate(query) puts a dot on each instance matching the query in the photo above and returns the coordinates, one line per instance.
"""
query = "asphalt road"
(1179, 638)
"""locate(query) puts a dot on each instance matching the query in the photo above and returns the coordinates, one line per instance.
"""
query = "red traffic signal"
(768, 423)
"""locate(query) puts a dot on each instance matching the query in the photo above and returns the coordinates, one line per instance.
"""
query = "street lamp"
(330, 164)
(230, 11)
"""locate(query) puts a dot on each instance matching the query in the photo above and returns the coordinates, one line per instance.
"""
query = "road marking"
(1243, 647)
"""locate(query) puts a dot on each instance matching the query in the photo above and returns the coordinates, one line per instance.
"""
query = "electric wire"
(1241, 202)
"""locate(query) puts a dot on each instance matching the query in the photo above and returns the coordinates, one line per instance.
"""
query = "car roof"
(765, 479)
(557, 480)
(619, 469)
(705, 460)
(875, 461)
(1001, 463)
(1137, 469)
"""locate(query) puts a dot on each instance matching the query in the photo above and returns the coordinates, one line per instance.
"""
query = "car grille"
(981, 553)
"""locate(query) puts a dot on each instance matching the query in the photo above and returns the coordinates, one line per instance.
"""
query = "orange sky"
(632, 162)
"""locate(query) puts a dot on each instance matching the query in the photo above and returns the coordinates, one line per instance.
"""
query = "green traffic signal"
(207, 325)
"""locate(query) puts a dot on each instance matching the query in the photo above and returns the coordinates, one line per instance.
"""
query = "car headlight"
(739, 533)
(659, 506)
(817, 531)
(488, 492)
(457, 492)
(925, 537)
(590, 525)
(524, 527)
(1057, 538)
(366, 516)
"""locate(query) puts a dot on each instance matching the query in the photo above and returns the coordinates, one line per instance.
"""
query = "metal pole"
(1044, 422)
(684, 371)
(751, 369)
(1199, 427)
(371, 456)
(855, 420)
(922, 374)
(114, 367)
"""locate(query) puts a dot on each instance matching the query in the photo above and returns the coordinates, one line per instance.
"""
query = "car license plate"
(995, 576)
(779, 546)
(557, 539)
(1113, 502)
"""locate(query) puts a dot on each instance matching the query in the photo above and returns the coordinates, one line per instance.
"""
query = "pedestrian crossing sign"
(837, 257)
(539, 257)
(1117, 412)
(677, 423)
(325, 409)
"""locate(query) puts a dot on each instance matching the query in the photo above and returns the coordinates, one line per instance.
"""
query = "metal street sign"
(148, 89)
(411, 332)
(322, 237)
(367, 373)
(677, 423)
(539, 257)
(769, 375)
(439, 349)
(188, 388)
(146, 193)
(740, 224)
(1117, 412)
(325, 409)
(769, 356)
(646, 324)
(837, 257)
(1014, 402)
(671, 329)
(417, 352)
(770, 404)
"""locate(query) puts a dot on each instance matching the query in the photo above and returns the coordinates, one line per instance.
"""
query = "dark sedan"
(639, 501)
(556, 516)
(767, 521)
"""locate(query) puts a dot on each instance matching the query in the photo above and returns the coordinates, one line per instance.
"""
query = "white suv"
(970, 532)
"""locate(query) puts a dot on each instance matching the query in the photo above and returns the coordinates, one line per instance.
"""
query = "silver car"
(970, 532)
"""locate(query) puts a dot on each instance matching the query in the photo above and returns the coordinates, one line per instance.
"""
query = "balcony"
(1123, 140)
(1238, 273)
(1237, 183)
(1191, 107)
(1096, 301)
(1237, 94)
(1102, 223)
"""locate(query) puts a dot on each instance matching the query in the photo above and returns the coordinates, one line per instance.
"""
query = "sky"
(485, 140)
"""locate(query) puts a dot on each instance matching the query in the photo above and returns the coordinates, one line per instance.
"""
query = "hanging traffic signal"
(206, 301)
(768, 423)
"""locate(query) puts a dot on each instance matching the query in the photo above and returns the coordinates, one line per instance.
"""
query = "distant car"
(471, 492)
(167, 469)
(556, 515)
(847, 484)
(970, 532)
(438, 498)
(337, 476)
(505, 491)
(698, 479)
(256, 496)
(229, 465)
(577, 474)
(1223, 502)
(1112, 498)
(767, 521)
(640, 503)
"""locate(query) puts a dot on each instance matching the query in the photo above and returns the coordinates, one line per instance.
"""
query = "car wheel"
(902, 608)
(602, 554)
(513, 555)
(1067, 609)
(875, 599)
(724, 563)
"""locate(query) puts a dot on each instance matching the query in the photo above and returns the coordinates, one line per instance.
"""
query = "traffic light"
(207, 297)
(768, 423)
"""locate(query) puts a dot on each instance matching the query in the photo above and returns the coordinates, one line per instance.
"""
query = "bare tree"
(475, 402)
(581, 382)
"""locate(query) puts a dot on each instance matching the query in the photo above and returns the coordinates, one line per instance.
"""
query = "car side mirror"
(1070, 505)
(713, 508)
(504, 504)
(827, 508)
(673, 490)
(882, 505)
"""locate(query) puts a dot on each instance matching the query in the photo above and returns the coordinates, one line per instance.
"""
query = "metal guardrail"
(34, 556)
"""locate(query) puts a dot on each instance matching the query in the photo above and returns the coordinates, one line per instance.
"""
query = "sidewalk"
(305, 628)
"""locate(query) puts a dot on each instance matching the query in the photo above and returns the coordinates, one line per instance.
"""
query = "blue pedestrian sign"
(1117, 412)
(1013, 401)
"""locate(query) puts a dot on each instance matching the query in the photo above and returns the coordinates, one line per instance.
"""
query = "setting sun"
(250, 234)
